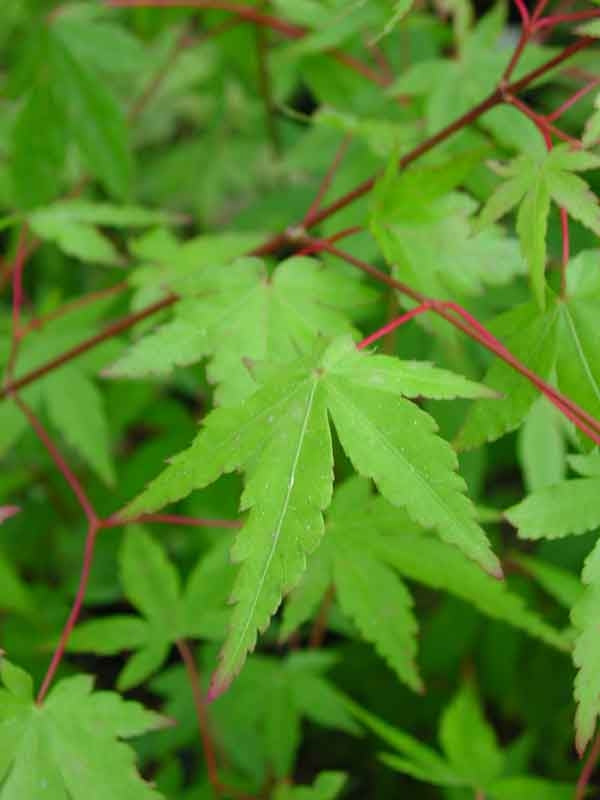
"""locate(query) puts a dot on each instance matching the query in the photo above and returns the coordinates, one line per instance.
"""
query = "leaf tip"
(218, 686)
(6, 512)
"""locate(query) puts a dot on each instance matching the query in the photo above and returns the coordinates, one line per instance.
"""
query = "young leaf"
(544, 177)
(280, 438)
(70, 746)
(242, 312)
(468, 740)
(586, 655)
(568, 507)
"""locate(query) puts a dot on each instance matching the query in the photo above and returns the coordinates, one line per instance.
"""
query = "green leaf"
(70, 225)
(566, 508)
(469, 741)
(39, 148)
(109, 635)
(531, 337)
(150, 580)
(416, 471)
(532, 224)
(591, 132)
(14, 594)
(75, 406)
(242, 312)
(542, 447)
(415, 759)
(95, 120)
(376, 600)
(70, 746)
(280, 438)
(586, 655)
(400, 10)
(418, 556)
(204, 603)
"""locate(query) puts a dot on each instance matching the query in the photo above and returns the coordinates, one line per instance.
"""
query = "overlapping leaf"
(151, 583)
(366, 530)
(259, 721)
(471, 758)
(560, 341)
(280, 438)
(69, 747)
(532, 182)
(242, 312)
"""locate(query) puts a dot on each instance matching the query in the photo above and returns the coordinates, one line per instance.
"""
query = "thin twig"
(588, 769)
(465, 322)
(60, 462)
(116, 521)
(326, 182)
(110, 330)
(208, 747)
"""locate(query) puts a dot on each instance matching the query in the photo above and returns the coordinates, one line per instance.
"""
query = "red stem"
(523, 12)
(86, 566)
(326, 182)
(395, 323)
(39, 322)
(316, 245)
(208, 747)
(60, 462)
(172, 519)
(564, 19)
(588, 769)
(455, 315)
(110, 330)
(572, 100)
(544, 126)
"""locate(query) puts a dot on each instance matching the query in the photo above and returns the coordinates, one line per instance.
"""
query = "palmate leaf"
(151, 584)
(375, 531)
(242, 312)
(533, 181)
(425, 232)
(280, 438)
(259, 720)
(69, 747)
(472, 758)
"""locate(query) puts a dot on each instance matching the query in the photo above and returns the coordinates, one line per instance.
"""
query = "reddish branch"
(588, 769)
(106, 333)
(95, 525)
(465, 322)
